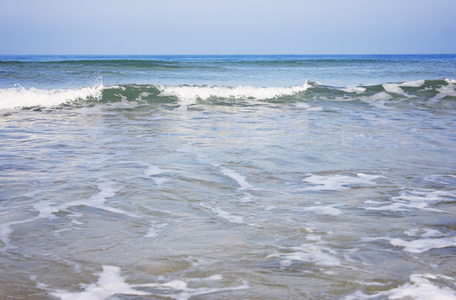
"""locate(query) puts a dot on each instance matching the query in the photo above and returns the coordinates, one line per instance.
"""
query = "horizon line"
(264, 54)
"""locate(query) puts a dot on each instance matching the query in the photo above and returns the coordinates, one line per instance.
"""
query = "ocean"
(228, 177)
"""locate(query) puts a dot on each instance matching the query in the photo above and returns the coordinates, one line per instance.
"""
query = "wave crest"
(189, 94)
(422, 92)
(33, 97)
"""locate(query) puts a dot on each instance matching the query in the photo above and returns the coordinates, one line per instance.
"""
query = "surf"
(20, 97)
(420, 92)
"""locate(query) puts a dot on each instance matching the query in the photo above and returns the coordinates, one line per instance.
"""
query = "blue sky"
(227, 26)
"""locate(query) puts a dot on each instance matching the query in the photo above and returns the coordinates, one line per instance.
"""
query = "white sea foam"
(416, 199)
(111, 283)
(238, 178)
(398, 207)
(425, 232)
(189, 94)
(224, 214)
(308, 253)
(215, 277)
(393, 88)
(45, 210)
(377, 100)
(421, 240)
(338, 182)
(442, 179)
(444, 91)
(107, 189)
(179, 290)
(420, 287)
(5, 232)
(425, 240)
(308, 107)
(247, 197)
(313, 237)
(153, 171)
(416, 83)
(21, 97)
(423, 245)
(354, 89)
(427, 195)
(155, 229)
(324, 210)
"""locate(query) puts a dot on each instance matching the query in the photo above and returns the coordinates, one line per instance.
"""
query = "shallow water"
(160, 192)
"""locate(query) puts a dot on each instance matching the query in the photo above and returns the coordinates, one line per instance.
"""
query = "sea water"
(228, 177)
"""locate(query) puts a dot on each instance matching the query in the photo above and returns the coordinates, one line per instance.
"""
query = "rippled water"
(252, 201)
(318, 196)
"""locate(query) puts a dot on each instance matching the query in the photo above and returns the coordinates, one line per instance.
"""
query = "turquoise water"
(234, 177)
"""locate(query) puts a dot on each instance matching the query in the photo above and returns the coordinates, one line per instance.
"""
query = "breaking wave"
(427, 92)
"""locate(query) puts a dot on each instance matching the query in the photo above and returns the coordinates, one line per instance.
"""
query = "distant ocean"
(228, 177)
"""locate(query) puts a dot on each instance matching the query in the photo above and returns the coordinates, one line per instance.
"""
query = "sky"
(166, 27)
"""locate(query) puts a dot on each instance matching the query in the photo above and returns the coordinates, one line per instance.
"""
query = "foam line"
(338, 182)
(107, 190)
(227, 216)
(423, 245)
(47, 211)
(416, 199)
(224, 214)
(423, 240)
